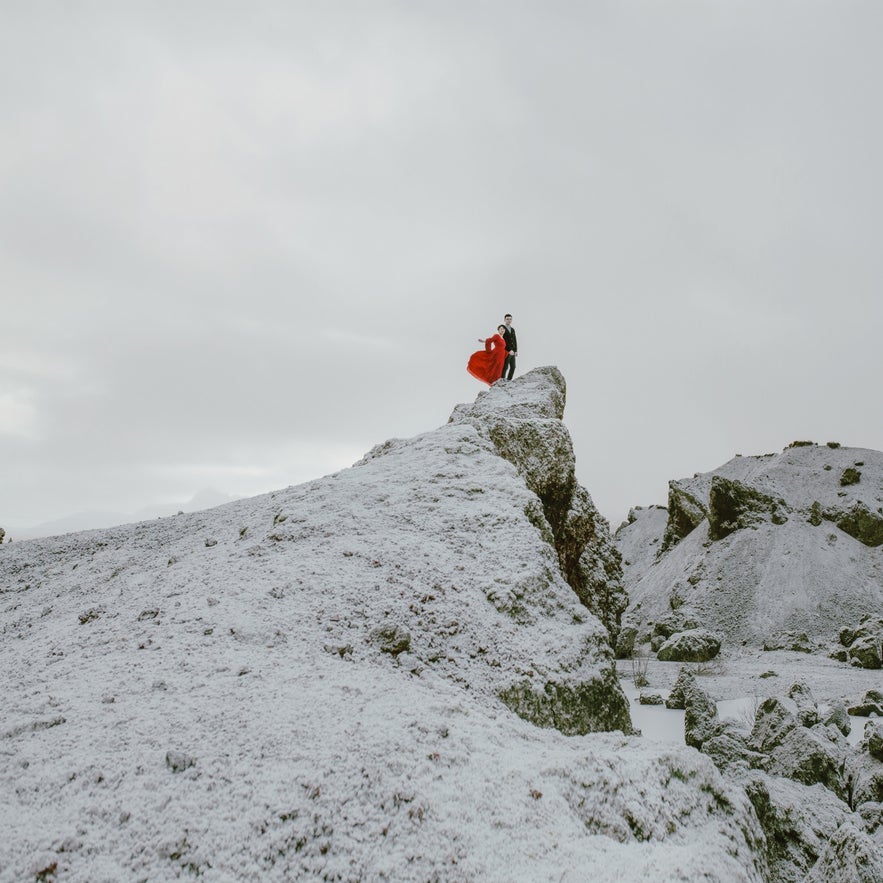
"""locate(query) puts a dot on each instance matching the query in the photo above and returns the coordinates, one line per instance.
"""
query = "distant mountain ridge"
(206, 498)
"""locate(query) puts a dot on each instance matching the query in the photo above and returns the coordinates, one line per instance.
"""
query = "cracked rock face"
(522, 419)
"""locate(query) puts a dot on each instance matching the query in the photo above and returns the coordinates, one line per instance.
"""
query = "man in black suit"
(511, 348)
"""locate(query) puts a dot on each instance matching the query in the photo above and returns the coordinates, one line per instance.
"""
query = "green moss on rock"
(575, 709)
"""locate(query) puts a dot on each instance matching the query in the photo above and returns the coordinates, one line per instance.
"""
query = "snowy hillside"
(789, 542)
(367, 677)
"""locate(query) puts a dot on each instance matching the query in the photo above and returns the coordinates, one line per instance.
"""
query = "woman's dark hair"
(501, 326)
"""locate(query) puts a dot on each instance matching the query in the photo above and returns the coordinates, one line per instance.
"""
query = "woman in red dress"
(487, 365)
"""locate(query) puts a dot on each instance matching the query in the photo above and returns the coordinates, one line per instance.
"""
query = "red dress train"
(487, 365)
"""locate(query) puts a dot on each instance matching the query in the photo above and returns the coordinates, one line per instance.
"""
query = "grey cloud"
(227, 233)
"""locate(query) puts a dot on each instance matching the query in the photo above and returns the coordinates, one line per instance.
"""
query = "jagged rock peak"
(522, 418)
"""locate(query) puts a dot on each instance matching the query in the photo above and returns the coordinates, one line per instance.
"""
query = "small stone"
(391, 638)
(177, 761)
(211, 542)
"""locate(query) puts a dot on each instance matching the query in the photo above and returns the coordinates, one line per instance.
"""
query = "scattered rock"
(700, 716)
(695, 645)
(807, 708)
(797, 821)
(839, 653)
(211, 542)
(150, 613)
(729, 749)
(846, 636)
(838, 717)
(864, 775)
(772, 723)
(871, 705)
(807, 757)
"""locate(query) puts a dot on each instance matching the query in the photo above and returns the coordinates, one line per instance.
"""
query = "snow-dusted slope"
(311, 685)
(638, 539)
(766, 545)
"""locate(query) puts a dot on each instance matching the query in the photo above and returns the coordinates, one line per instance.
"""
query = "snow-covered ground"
(306, 685)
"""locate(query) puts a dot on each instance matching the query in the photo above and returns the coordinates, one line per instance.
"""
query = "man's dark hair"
(508, 316)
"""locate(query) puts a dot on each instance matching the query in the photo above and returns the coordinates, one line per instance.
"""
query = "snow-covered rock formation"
(371, 676)
(763, 549)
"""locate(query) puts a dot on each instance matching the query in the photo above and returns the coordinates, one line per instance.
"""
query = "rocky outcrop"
(685, 513)
(733, 505)
(861, 522)
(796, 820)
(766, 547)
(522, 419)
(865, 767)
(374, 629)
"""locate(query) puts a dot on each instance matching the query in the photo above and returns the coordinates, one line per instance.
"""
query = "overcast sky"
(241, 243)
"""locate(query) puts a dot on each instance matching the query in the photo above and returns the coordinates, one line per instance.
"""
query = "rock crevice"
(522, 418)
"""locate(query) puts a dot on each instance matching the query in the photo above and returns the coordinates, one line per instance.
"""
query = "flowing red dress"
(487, 365)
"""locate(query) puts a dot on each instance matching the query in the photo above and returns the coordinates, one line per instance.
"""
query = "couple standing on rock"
(497, 359)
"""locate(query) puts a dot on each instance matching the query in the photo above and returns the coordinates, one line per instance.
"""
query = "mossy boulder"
(573, 708)
(693, 645)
